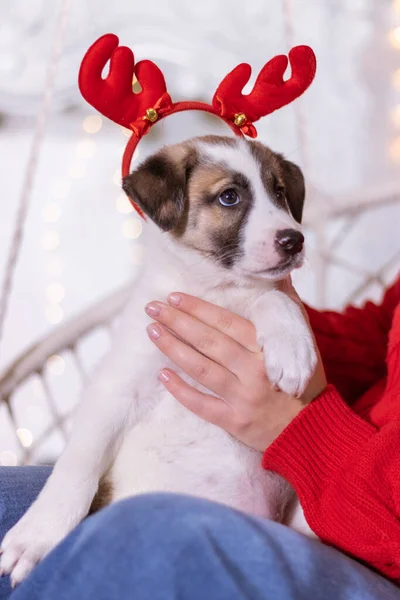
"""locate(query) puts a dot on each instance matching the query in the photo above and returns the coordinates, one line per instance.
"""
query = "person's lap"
(166, 547)
(19, 486)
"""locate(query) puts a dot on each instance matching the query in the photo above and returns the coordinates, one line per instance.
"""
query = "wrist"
(293, 407)
(317, 384)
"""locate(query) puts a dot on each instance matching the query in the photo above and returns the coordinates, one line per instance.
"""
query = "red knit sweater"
(343, 462)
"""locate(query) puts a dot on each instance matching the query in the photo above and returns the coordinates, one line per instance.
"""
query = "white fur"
(129, 427)
(265, 218)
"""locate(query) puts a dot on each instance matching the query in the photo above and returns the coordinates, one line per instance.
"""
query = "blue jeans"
(167, 547)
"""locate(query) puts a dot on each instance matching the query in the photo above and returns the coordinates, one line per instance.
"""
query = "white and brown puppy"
(224, 224)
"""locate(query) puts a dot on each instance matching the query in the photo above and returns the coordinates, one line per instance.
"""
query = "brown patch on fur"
(271, 172)
(211, 228)
(207, 178)
(158, 185)
(103, 496)
(282, 179)
(218, 140)
(179, 190)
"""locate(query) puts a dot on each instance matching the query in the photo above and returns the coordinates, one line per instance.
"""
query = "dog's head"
(232, 200)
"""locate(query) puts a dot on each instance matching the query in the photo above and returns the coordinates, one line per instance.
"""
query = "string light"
(396, 79)
(55, 293)
(61, 189)
(25, 437)
(85, 148)
(77, 170)
(394, 37)
(56, 364)
(51, 212)
(55, 266)
(92, 124)
(8, 458)
(394, 150)
(123, 205)
(396, 115)
(132, 228)
(54, 313)
(50, 239)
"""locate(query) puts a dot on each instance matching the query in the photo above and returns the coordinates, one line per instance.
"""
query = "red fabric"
(114, 98)
(342, 452)
(270, 90)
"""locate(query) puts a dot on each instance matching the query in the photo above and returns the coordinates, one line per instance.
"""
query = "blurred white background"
(80, 239)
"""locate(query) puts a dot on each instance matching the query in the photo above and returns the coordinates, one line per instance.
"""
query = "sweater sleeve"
(346, 474)
(353, 344)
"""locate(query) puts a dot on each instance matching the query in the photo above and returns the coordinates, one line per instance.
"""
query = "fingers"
(209, 341)
(211, 409)
(203, 370)
(239, 329)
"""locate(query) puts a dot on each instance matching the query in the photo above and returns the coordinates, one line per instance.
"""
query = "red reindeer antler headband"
(114, 98)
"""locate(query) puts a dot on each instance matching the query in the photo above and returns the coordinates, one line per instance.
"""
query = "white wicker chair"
(31, 371)
(29, 376)
(32, 368)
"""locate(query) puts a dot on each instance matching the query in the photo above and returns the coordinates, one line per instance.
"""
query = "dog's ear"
(295, 188)
(159, 184)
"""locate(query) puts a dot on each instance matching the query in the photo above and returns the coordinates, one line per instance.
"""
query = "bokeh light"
(85, 148)
(25, 437)
(92, 123)
(54, 313)
(55, 292)
(50, 239)
(123, 204)
(132, 228)
(56, 364)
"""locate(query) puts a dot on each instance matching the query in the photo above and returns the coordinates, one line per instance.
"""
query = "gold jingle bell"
(151, 115)
(240, 119)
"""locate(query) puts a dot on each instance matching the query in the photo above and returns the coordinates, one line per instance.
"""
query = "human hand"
(218, 349)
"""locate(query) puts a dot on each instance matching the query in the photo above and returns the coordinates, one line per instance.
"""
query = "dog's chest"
(169, 448)
(172, 450)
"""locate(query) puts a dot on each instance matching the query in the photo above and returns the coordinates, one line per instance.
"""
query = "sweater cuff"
(318, 442)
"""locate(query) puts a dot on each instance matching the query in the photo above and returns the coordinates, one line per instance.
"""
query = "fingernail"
(153, 331)
(163, 376)
(153, 309)
(175, 299)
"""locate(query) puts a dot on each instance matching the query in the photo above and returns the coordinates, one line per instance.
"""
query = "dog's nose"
(290, 241)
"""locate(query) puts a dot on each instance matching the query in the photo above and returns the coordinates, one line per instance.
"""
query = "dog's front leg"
(286, 339)
(66, 498)
(109, 405)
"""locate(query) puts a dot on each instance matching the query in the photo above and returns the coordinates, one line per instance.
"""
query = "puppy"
(224, 225)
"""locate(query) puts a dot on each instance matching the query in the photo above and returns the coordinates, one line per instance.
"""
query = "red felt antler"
(270, 91)
(113, 96)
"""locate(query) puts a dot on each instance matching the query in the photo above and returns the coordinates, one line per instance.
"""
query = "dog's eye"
(229, 198)
(280, 193)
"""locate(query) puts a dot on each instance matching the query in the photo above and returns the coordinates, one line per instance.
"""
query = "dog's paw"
(28, 542)
(290, 361)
